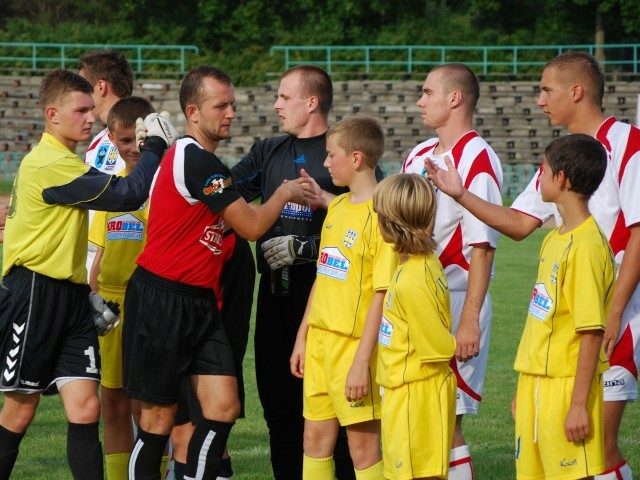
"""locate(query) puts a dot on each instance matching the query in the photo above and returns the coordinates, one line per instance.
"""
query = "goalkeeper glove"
(155, 132)
(105, 314)
(290, 249)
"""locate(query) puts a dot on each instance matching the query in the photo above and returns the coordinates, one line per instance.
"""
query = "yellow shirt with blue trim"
(354, 262)
(123, 236)
(573, 292)
(47, 238)
(415, 340)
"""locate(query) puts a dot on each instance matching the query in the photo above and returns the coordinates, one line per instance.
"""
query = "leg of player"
(82, 406)
(218, 397)
(616, 466)
(16, 415)
(118, 431)
(364, 445)
(460, 466)
(156, 422)
(319, 442)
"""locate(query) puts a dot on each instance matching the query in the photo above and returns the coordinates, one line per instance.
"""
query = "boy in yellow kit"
(119, 238)
(559, 404)
(415, 344)
(334, 349)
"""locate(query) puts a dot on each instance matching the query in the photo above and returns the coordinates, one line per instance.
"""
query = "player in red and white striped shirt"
(572, 88)
(466, 245)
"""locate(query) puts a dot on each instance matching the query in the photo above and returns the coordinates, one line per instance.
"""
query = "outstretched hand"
(449, 181)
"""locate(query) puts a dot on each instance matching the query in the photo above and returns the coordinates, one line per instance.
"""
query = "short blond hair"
(406, 207)
(359, 133)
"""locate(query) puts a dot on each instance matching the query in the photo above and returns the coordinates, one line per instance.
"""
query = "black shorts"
(172, 330)
(46, 333)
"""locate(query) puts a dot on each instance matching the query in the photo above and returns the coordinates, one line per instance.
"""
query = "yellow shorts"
(542, 449)
(327, 361)
(111, 343)
(418, 421)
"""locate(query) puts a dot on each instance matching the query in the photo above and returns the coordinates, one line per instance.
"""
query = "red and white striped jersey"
(616, 203)
(456, 230)
(184, 240)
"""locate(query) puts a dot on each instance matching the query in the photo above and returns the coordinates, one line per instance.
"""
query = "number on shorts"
(92, 360)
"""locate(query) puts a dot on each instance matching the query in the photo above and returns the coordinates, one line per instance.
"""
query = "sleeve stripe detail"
(633, 147)
(481, 164)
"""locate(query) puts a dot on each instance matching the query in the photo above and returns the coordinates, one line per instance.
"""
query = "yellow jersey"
(573, 291)
(415, 340)
(47, 238)
(354, 262)
(123, 236)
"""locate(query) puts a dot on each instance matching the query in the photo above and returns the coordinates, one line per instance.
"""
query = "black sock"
(178, 470)
(84, 451)
(206, 448)
(9, 446)
(225, 469)
(147, 455)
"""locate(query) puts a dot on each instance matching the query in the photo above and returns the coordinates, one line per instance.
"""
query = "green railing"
(143, 58)
(485, 60)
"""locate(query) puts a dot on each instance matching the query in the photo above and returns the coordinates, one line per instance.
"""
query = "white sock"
(619, 472)
(460, 466)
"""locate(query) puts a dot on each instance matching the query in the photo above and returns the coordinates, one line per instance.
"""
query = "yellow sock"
(374, 472)
(117, 466)
(163, 466)
(317, 468)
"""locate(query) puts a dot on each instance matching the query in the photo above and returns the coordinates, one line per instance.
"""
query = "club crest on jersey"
(385, 332)
(112, 159)
(125, 227)
(541, 302)
(554, 273)
(295, 211)
(216, 184)
(212, 237)
(333, 264)
(349, 238)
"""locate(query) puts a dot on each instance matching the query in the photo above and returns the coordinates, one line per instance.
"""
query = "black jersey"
(262, 171)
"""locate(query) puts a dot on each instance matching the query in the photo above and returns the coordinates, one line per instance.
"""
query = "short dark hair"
(581, 158)
(314, 81)
(191, 89)
(112, 67)
(584, 68)
(58, 84)
(457, 76)
(125, 111)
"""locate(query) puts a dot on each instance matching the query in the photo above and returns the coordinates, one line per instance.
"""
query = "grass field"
(489, 434)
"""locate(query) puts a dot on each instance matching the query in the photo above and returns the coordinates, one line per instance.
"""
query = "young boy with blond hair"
(415, 344)
(119, 238)
(559, 404)
(334, 349)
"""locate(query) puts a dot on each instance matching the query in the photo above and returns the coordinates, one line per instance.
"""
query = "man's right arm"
(512, 223)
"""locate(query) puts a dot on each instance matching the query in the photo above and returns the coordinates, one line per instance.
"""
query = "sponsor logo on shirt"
(296, 211)
(541, 302)
(333, 264)
(350, 238)
(614, 383)
(125, 227)
(101, 155)
(300, 159)
(385, 332)
(212, 237)
(216, 184)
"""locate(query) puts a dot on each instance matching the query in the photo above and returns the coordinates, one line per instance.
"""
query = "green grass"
(5, 186)
(489, 434)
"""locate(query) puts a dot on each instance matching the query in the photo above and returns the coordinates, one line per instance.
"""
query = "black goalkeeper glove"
(290, 249)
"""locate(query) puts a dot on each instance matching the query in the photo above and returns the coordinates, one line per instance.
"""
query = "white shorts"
(470, 374)
(621, 380)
